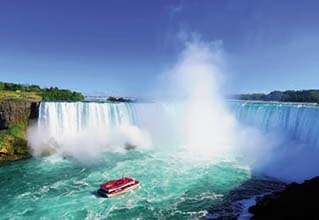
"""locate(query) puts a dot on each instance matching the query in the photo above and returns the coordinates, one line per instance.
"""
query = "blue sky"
(121, 47)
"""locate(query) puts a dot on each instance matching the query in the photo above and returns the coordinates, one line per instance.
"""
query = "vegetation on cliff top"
(285, 96)
(34, 92)
(56, 94)
(13, 144)
(19, 95)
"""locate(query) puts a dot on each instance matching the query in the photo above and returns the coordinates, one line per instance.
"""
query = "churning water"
(175, 182)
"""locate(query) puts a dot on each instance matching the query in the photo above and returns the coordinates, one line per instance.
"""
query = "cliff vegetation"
(285, 96)
(13, 144)
(35, 92)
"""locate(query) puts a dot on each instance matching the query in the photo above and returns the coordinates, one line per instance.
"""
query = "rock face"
(15, 115)
(17, 111)
(296, 201)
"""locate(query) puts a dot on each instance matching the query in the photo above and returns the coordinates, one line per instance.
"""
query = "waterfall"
(83, 129)
(286, 142)
(72, 118)
(287, 138)
(60, 119)
(296, 122)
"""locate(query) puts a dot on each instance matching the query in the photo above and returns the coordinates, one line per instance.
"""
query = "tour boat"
(117, 187)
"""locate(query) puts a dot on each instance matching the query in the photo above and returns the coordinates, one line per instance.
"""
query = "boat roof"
(116, 183)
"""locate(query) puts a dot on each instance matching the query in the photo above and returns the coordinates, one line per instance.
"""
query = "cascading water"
(62, 119)
(69, 119)
(289, 148)
(295, 122)
(80, 129)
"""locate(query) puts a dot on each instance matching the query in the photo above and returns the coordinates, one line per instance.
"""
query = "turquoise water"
(172, 187)
(174, 184)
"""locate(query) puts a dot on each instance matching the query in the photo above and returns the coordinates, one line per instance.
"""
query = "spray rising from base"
(201, 124)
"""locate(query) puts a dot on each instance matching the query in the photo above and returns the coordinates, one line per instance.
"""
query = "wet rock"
(296, 201)
(129, 146)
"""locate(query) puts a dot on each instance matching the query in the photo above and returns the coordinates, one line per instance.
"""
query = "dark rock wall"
(17, 111)
(296, 201)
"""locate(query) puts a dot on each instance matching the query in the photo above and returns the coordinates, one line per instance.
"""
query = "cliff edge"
(15, 116)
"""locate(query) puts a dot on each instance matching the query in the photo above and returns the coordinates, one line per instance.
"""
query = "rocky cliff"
(14, 111)
(296, 201)
(15, 116)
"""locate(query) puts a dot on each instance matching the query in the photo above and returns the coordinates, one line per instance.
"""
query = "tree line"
(311, 95)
